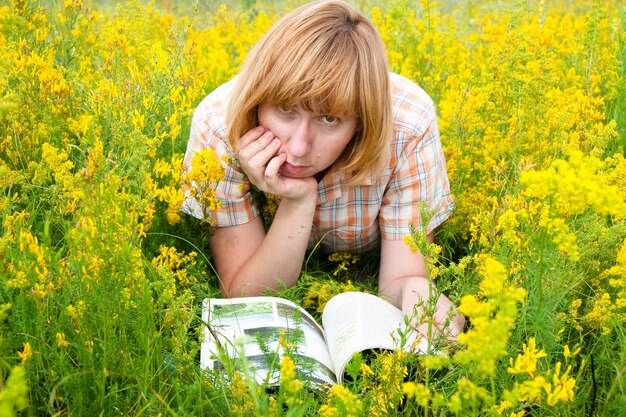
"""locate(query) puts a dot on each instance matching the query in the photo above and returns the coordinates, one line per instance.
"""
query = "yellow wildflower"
(80, 126)
(341, 402)
(344, 259)
(61, 342)
(435, 362)
(504, 405)
(562, 387)
(567, 353)
(600, 316)
(14, 392)
(531, 390)
(201, 180)
(419, 392)
(242, 404)
(26, 353)
(527, 361)
(492, 317)
(320, 292)
(290, 386)
(365, 370)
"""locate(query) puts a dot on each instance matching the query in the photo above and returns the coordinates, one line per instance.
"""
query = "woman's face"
(312, 142)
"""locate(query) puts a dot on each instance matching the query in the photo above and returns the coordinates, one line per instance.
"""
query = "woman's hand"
(443, 317)
(261, 160)
(402, 281)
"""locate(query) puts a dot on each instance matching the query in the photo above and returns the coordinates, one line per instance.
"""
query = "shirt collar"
(333, 184)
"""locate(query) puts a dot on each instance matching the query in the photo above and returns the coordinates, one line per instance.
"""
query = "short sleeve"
(418, 178)
(237, 204)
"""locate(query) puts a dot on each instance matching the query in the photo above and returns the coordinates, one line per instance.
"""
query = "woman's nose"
(300, 140)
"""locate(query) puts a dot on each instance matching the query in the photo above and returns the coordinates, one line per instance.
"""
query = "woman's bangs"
(318, 86)
(333, 89)
(339, 98)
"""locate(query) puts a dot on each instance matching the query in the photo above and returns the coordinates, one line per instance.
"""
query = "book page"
(241, 324)
(355, 321)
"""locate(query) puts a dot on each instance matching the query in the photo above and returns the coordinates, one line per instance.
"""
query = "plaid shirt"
(347, 218)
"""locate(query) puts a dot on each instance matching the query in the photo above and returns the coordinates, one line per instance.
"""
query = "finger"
(445, 309)
(271, 176)
(443, 323)
(442, 308)
(271, 170)
(256, 146)
(262, 158)
(250, 136)
(457, 325)
(452, 322)
(429, 326)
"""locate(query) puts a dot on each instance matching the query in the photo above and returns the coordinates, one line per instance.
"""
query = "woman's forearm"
(278, 259)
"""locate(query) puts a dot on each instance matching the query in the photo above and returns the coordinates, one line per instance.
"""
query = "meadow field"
(102, 276)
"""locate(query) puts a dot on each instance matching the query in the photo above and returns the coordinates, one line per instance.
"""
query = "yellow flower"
(320, 292)
(80, 126)
(562, 388)
(455, 404)
(61, 342)
(242, 404)
(435, 362)
(201, 180)
(14, 392)
(601, 315)
(504, 405)
(76, 312)
(494, 276)
(171, 258)
(26, 353)
(344, 259)
(526, 362)
(289, 385)
(287, 368)
(419, 392)
(341, 402)
(492, 316)
(568, 354)
(365, 370)
(5, 309)
(162, 169)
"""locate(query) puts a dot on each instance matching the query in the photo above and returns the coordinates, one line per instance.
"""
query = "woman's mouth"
(289, 170)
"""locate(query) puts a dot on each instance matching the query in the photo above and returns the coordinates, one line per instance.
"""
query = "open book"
(352, 322)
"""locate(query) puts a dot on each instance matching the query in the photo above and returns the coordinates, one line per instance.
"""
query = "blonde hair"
(329, 58)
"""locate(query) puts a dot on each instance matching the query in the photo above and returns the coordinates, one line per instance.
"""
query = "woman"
(315, 118)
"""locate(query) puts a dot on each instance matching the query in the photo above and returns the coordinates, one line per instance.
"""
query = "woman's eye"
(285, 109)
(330, 120)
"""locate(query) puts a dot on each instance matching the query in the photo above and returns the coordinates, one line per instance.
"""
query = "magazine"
(352, 322)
